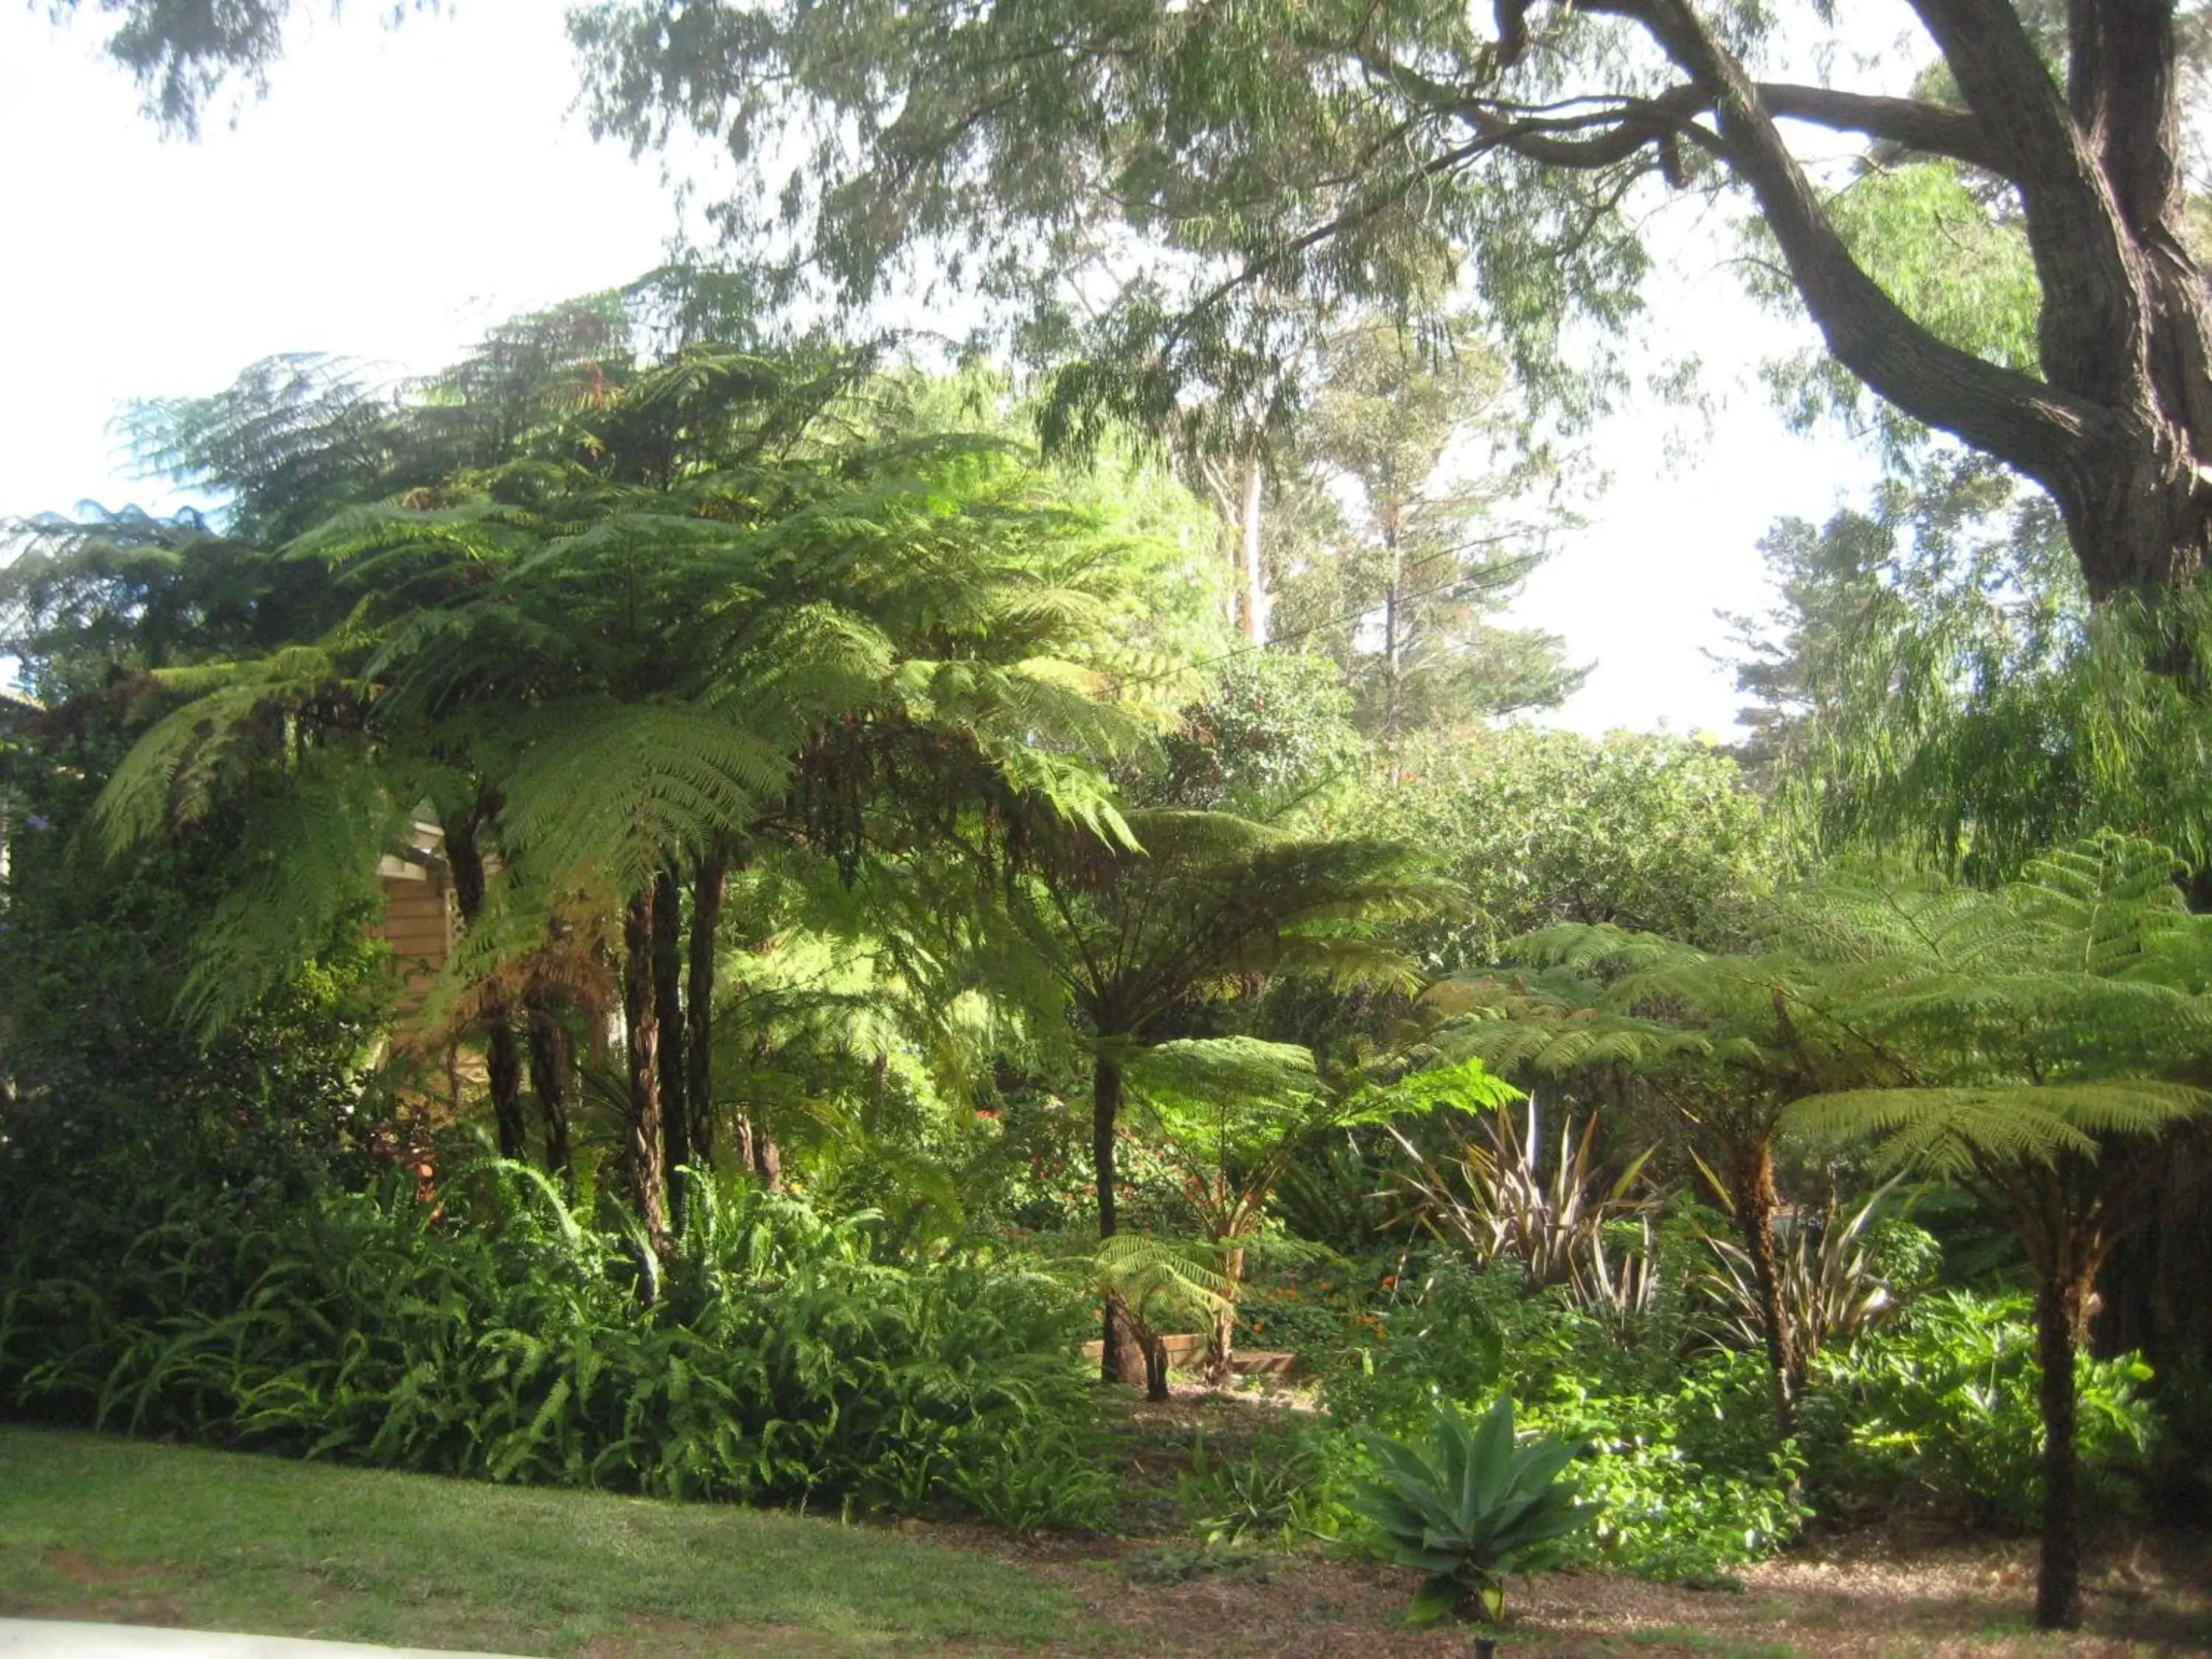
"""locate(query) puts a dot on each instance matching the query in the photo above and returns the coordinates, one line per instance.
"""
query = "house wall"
(418, 924)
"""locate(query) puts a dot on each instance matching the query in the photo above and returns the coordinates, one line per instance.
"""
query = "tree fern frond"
(307, 863)
(618, 787)
(1952, 1130)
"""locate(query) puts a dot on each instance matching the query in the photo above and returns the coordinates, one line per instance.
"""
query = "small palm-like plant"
(1472, 1508)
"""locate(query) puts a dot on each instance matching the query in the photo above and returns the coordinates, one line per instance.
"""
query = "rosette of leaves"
(1472, 1507)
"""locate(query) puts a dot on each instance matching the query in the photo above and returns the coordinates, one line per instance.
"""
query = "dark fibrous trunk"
(642, 1137)
(464, 859)
(1156, 1367)
(503, 1068)
(711, 880)
(1124, 1358)
(668, 1023)
(2057, 1326)
(1754, 1193)
(549, 1060)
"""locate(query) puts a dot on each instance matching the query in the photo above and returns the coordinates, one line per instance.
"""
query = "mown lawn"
(97, 1527)
(94, 1527)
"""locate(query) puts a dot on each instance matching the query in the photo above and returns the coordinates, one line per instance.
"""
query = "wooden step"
(1187, 1349)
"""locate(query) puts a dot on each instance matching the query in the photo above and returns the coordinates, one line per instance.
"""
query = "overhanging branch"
(1927, 128)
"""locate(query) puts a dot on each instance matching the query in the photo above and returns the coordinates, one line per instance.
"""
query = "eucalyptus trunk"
(767, 1162)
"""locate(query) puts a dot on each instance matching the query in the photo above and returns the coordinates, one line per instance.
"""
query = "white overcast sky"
(399, 190)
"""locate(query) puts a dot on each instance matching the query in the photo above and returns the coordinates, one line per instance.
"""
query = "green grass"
(94, 1527)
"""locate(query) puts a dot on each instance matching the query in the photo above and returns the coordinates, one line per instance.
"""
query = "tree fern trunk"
(2058, 1581)
(549, 1081)
(641, 1036)
(1124, 1358)
(503, 1068)
(709, 883)
(502, 1059)
(668, 1023)
(1755, 1202)
(1220, 1355)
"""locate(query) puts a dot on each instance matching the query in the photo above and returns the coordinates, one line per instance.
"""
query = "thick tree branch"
(2031, 426)
(2121, 88)
(1927, 128)
(2094, 336)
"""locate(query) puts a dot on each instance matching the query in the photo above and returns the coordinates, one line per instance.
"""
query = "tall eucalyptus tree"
(1178, 169)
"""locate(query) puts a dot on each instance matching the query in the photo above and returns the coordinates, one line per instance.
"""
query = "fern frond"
(1954, 1131)
(618, 787)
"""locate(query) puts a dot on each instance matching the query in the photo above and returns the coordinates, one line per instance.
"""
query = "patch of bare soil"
(678, 1639)
(1912, 1590)
(121, 1594)
(1865, 1598)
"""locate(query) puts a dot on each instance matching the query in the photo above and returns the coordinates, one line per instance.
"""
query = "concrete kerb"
(57, 1638)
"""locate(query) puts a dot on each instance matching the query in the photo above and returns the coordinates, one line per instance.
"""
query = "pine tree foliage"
(1937, 679)
(1428, 500)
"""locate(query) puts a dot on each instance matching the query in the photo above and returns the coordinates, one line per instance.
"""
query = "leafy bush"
(1292, 1484)
(1942, 1404)
(781, 1362)
(1441, 1335)
(1310, 1310)
(1683, 1453)
(1471, 1507)
(1688, 1467)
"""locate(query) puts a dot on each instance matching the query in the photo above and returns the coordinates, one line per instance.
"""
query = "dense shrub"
(1683, 1452)
(1941, 1405)
(1311, 1308)
(780, 1360)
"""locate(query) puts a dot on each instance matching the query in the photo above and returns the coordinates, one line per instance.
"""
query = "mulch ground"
(1857, 1597)
(1909, 1590)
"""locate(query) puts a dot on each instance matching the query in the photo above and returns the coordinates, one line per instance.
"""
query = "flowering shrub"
(1312, 1310)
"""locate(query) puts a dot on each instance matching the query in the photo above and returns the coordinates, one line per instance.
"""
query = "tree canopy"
(1198, 174)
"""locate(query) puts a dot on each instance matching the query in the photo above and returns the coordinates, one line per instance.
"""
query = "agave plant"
(1472, 1508)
